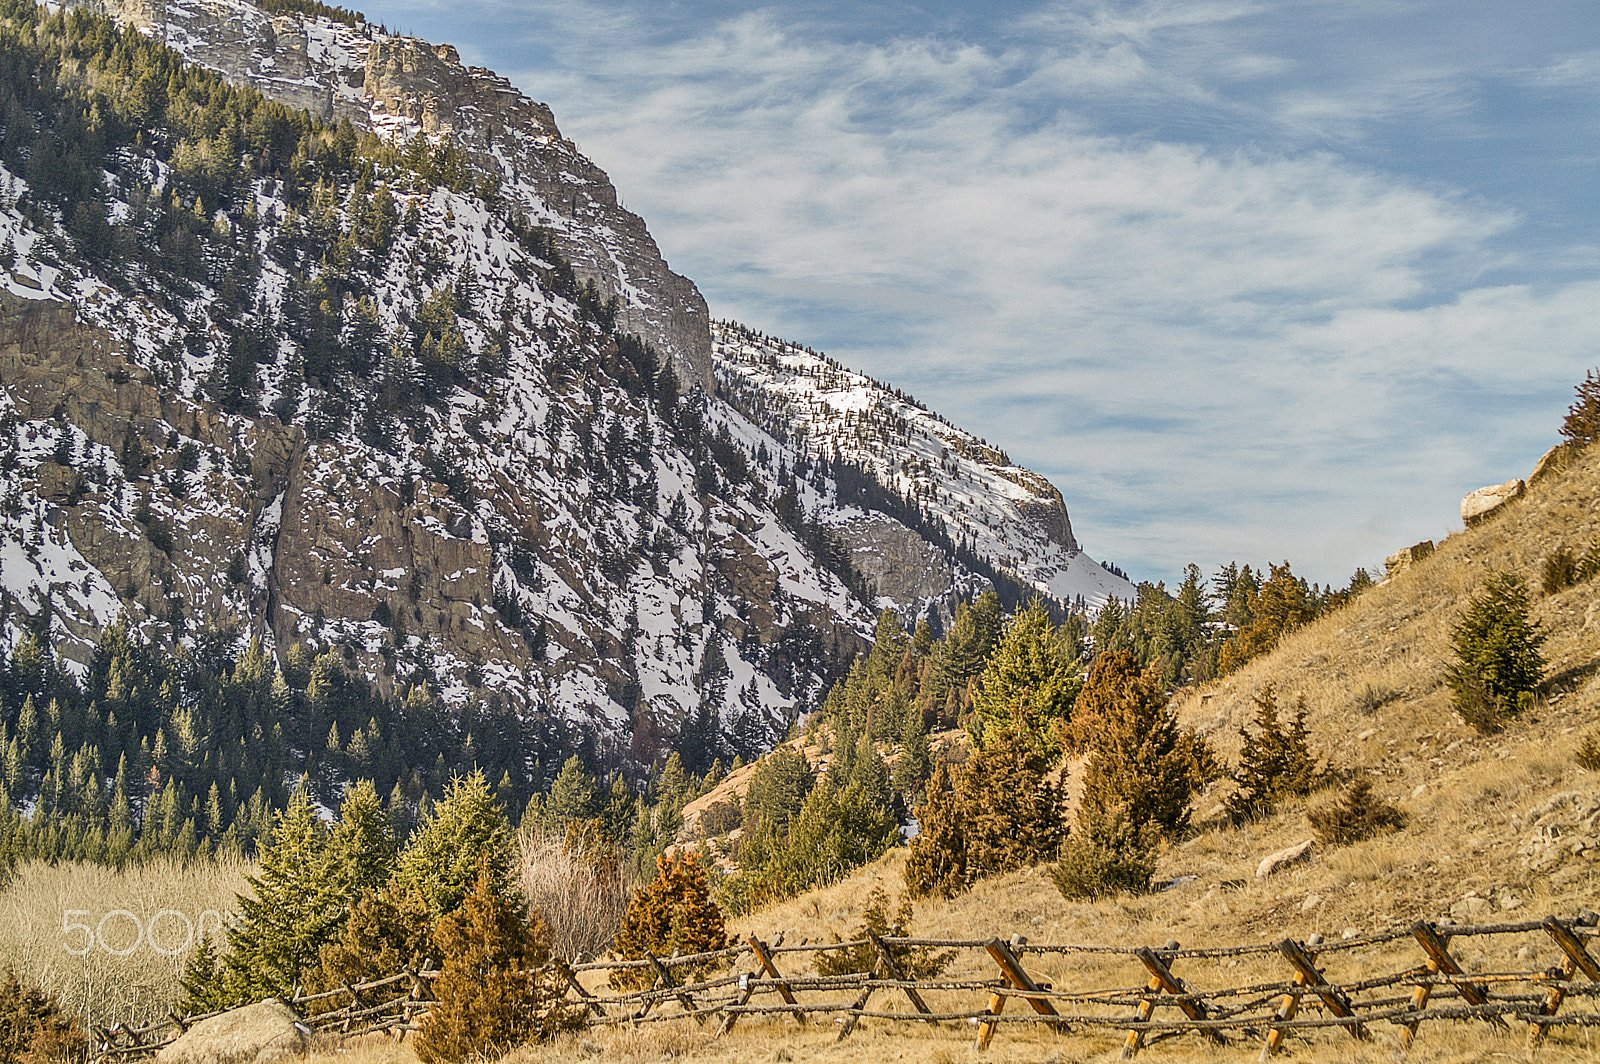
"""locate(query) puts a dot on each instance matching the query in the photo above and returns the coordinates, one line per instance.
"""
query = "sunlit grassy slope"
(1372, 679)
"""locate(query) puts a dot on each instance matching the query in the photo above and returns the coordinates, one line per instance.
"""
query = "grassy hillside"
(1480, 809)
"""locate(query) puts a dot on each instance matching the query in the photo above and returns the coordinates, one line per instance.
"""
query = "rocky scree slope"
(364, 399)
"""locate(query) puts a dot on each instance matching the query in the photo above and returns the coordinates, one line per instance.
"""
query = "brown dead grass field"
(880, 1042)
(124, 961)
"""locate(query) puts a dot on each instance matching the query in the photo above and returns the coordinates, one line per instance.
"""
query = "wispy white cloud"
(1154, 248)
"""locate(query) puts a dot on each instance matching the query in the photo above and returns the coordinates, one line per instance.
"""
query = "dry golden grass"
(43, 901)
(880, 1041)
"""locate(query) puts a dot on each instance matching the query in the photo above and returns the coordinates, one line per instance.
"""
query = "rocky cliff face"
(403, 86)
(963, 496)
(501, 497)
(100, 545)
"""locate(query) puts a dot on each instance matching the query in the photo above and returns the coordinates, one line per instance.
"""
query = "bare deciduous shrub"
(97, 985)
(578, 886)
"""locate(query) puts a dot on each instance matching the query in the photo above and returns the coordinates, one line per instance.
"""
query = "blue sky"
(1246, 280)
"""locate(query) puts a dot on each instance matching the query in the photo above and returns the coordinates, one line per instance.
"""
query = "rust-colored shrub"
(495, 988)
(674, 912)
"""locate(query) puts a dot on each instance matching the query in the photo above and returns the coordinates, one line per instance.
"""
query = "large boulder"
(1274, 863)
(254, 1034)
(1555, 460)
(1408, 556)
(1486, 502)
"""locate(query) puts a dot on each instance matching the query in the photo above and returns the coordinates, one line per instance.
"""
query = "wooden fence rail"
(1423, 981)
(392, 1012)
(1403, 977)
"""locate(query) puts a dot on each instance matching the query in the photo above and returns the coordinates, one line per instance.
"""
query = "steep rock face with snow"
(952, 486)
(400, 86)
(386, 415)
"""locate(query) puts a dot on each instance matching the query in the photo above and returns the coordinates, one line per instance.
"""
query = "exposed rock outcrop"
(1406, 557)
(1484, 503)
(1274, 863)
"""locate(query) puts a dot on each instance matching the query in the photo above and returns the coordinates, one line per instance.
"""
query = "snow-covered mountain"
(421, 392)
(956, 484)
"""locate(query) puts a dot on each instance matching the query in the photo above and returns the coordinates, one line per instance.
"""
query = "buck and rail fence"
(1535, 974)
(1404, 977)
(394, 1004)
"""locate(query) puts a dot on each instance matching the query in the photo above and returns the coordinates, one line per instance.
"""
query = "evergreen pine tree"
(914, 962)
(1275, 763)
(915, 764)
(33, 1027)
(1108, 854)
(1011, 812)
(573, 796)
(1030, 672)
(1498, 663)
(1140, 761)
(1358, 814)
(204, 987)
(778, 788)
(1582, 423)
(937, 863)
(442, 859)
(672, 913)
(361, 848)
(291, 911)
(387, 929)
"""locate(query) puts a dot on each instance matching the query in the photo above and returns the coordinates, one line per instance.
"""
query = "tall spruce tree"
(1498, 662)
(494, 991)
(467, 827)
(1032, 678)
(1275, 762)
(573, 796)
(1140, 762)
(291, 911)
(937, 863)
(361, 849)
